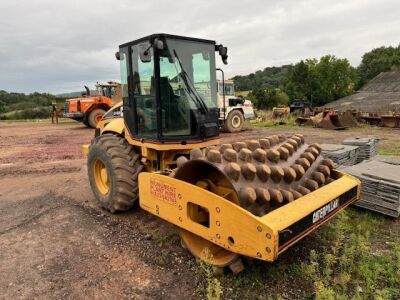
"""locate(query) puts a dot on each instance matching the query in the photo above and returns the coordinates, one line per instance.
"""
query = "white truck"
(233, 110)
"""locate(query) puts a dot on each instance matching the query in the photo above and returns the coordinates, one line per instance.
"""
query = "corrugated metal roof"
(384, 82)
(380, 95)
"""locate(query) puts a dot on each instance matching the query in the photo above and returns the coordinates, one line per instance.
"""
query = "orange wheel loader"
(90, 108)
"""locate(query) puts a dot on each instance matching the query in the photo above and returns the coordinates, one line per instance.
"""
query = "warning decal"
(163, 191)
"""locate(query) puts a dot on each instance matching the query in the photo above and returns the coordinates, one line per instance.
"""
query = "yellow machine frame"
(230, 226)
(234, 228)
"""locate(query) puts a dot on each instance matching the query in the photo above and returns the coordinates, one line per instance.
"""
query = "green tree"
(378, 60)
(270, 77)
(335, 78)
(320, 82)
(2, 106)
(268, 98)
(297, 80)
(22, 106)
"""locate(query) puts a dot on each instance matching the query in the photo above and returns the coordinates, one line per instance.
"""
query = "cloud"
(58, 46)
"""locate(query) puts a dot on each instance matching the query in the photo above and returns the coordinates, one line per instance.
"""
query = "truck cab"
(92, 105)
(233, 110)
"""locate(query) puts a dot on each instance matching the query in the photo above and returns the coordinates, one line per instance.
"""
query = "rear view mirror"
(145, 53)
(223, 52)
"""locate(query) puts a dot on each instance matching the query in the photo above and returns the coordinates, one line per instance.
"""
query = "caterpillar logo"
(325, 210)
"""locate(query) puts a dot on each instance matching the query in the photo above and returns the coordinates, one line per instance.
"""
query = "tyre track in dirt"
(66, 246)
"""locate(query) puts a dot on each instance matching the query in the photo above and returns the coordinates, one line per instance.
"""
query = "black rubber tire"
(123, 166)
(233, 115)
(85, 121)
(92, 116)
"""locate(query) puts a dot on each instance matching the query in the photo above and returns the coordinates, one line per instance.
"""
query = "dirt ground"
(56, 243)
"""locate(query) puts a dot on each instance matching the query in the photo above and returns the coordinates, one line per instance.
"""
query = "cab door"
(140, 106)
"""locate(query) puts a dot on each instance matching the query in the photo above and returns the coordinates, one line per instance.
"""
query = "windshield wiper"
(198, 100)
(189, 85)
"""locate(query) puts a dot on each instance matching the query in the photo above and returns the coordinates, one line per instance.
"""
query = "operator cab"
(229, 88)
(106, 89)
(169, 88)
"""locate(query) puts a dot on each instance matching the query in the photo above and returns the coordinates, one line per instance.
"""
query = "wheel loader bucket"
(230, 227)
(331, 121)
(301, 121)
(279, 112)
(347, 119)
(312, 121)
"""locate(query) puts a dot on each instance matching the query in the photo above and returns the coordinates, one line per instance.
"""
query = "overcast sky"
(60, 45)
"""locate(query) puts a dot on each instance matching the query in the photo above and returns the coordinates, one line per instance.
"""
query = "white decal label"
(323, 211)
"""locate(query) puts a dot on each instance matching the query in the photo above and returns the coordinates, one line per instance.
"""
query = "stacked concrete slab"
(380, 186)
(390, 159)
(367, 147)
(343, 155)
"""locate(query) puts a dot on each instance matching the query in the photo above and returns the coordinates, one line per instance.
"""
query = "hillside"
(270, 77)
(69, 95)
(22, 106)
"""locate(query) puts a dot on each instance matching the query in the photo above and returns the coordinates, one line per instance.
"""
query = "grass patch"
(168, 240)
(341, 260)
(265, 119)
(348, 268)
(272, 123)
(395, 152)
(211, 289)
(391, 148)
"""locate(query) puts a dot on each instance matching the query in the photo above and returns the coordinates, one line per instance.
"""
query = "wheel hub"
(98, 118)
(101, 176)
(236, 122)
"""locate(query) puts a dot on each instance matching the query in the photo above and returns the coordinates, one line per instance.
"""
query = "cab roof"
(109, 83)
(165, 35)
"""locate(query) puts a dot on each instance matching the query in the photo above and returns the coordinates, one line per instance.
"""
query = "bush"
(265, 119)
(29, 113)
(15, 106)
(268, 98)
(2, 106)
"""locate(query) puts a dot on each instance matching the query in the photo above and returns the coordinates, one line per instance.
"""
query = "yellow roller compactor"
(160, 147)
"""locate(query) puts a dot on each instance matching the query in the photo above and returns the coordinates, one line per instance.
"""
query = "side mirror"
(117, 55)
(223, 52)
(87, 91)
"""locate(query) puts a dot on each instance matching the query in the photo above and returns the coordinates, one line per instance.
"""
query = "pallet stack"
(367, 147)
(380, 186)
(342, 155)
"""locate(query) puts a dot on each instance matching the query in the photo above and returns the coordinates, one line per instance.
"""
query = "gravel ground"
(56, 243)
